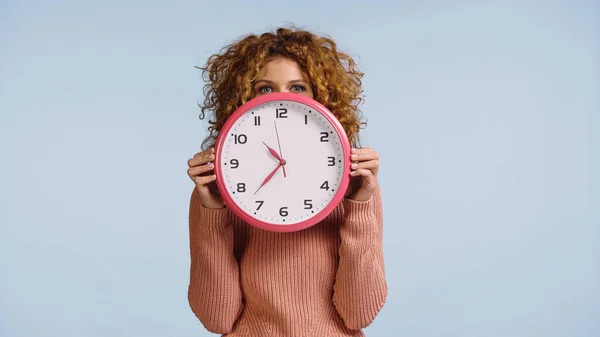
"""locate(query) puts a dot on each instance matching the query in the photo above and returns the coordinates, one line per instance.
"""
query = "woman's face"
(282, 75)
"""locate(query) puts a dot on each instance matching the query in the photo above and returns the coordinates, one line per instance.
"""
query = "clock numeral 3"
(240, 139)
(281, 113)
(331, 161)
(308, 204)
(260, 203)
(283, 211)
(324, 136)
(325, 185)
(241, 187)
(234, 163)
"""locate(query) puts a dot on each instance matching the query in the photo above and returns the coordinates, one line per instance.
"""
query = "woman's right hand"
(201, 172)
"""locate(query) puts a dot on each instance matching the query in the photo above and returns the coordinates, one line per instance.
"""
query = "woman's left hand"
(363, 174)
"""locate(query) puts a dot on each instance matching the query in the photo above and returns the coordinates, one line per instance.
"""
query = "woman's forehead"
(281, 68)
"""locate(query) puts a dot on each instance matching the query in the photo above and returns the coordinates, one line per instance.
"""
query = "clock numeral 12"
(280, 113)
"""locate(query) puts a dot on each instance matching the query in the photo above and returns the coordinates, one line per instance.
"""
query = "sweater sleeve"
(360, 289)
(214, 292)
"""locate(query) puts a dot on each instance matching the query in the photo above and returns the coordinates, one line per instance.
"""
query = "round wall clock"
(282, 162)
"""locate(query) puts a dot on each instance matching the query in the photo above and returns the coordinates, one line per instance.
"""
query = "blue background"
(485, 114)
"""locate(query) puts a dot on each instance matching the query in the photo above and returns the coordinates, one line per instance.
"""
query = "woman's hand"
(201, 172)
(363, 174)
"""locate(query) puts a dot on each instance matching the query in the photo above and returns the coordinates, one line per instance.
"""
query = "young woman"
(327, 280)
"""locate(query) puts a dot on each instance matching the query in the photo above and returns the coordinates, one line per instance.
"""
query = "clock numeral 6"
(281, 113)
(308, 204)
(331, 161)
(324, 136)
(241, 187)
(283, 211)
(240, 139)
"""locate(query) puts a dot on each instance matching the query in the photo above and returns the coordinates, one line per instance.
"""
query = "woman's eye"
(264, 90)
(297, 88)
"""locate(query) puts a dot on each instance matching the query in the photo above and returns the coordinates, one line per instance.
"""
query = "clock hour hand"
(272, 152)
(268, 178)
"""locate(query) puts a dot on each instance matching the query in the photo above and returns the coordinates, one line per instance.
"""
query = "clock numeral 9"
(308, 204)
(281, 113)
(240, 139)
(241, 187)
(324, 136)
(331, 161)
(234, 163)
(283, 211)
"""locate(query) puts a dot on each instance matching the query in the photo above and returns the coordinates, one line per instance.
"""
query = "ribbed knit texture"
(327, 280)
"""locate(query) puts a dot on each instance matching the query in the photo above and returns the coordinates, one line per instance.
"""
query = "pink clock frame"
(337, 198)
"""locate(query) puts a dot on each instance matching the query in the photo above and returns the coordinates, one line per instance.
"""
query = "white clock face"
(294, 144)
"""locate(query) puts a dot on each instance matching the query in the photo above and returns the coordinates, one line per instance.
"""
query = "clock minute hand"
(268, 178)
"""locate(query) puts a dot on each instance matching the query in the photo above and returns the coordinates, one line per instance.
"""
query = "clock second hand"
(280, 153)
(268, 178)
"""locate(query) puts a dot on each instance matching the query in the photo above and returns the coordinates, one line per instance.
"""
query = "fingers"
(201, 167)
(204, 180)
(363, 154)
(366, 173)
(201, 170)
(369, 182)
(202, 158)
(365, 158)
(370, 165)
(364, 168)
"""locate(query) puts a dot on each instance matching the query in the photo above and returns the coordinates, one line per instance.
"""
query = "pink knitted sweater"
(327, 280)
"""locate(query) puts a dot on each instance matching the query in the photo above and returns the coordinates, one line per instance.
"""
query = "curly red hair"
(333, 75)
